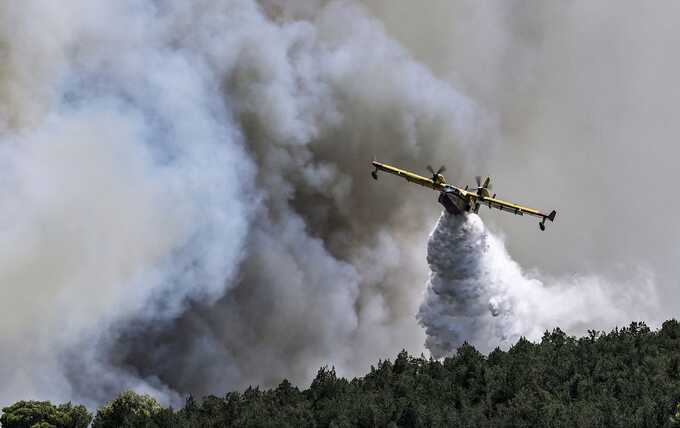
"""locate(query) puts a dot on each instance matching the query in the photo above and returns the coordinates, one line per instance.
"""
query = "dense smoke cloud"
(188, 209)
(186, 199)
(125, 190)
(324, 281)
(479, 295)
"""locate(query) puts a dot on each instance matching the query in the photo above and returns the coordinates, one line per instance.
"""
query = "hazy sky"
(585, 100)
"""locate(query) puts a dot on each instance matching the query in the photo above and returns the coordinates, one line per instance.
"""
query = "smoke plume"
(186, 207)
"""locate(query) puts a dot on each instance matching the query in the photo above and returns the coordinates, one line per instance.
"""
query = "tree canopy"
(629, 377)
(129, 410)
(43, 414)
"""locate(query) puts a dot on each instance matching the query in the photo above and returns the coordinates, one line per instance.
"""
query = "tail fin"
(550, 217)
(374, 173)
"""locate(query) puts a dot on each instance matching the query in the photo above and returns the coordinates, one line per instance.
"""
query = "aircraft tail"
(550, 217)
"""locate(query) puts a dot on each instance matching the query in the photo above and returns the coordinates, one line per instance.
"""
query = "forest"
(628, 377)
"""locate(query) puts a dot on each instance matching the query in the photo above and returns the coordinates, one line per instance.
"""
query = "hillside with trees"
(628, 377)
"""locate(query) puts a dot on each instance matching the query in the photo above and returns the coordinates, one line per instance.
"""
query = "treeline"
(629, 377)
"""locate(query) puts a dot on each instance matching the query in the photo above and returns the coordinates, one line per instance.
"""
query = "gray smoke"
(125, 190)
(479, 295)
(327, 279)
(585, 101)
(185, 193)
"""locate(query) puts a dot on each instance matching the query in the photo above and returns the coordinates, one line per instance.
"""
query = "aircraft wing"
(514, 208)
(413, 178)
(457, 200)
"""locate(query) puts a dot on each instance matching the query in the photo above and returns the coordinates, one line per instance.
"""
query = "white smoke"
(124, 191)
(479, 295)
(185, 194)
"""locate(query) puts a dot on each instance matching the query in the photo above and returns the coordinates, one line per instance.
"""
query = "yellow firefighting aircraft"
(457, 200)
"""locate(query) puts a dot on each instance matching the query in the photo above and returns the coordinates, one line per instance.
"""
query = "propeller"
(439, 171)
(436, 178)
(478, 180)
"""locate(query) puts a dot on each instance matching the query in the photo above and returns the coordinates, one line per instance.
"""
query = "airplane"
(458, 200)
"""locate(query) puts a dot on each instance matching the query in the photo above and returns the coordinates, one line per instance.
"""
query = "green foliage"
(629, 377)
(129, 410)
(43, 414)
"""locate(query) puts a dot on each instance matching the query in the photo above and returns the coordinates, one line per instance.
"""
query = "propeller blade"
(429, 168)
(442, 169)
(478, 180)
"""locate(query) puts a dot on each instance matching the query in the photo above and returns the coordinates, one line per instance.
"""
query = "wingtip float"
(458, 200)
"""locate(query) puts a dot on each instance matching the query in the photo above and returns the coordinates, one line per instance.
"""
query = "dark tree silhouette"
(629, 377)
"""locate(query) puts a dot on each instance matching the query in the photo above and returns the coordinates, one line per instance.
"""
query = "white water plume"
(478, 294)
